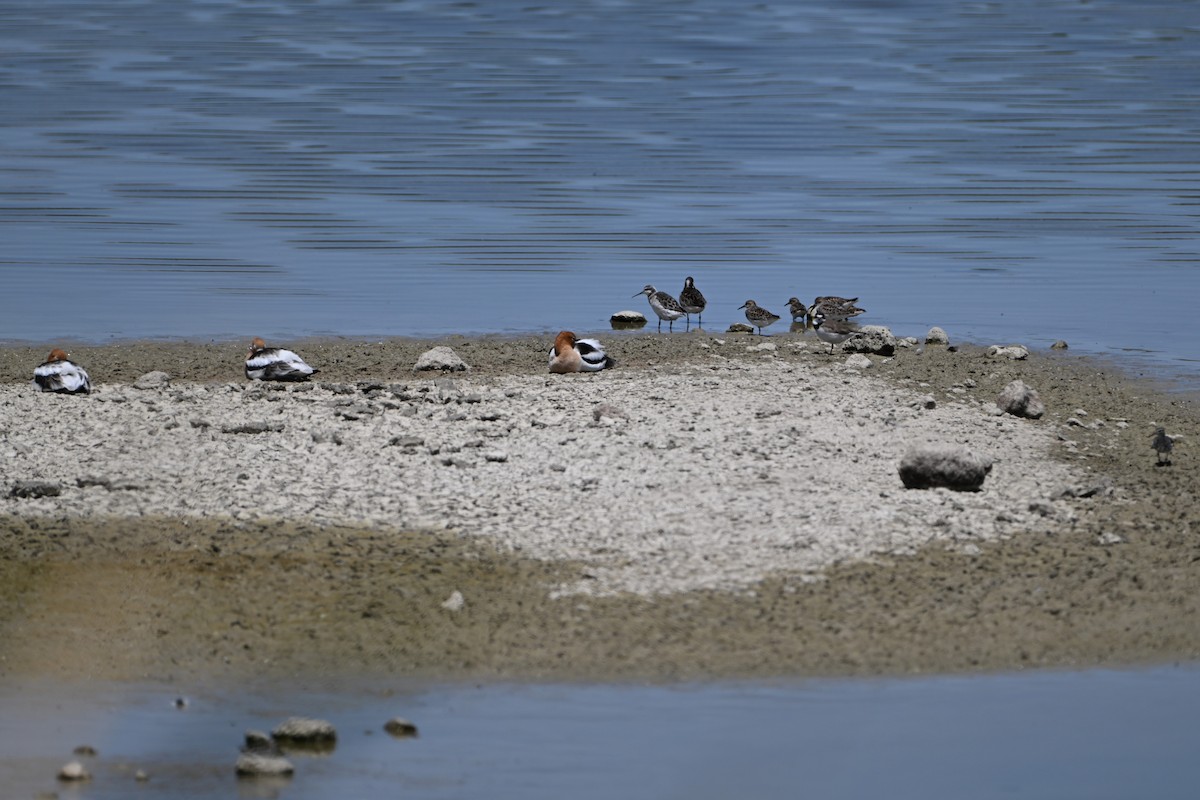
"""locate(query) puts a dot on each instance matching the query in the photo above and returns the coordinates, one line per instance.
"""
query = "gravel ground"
(704, 479)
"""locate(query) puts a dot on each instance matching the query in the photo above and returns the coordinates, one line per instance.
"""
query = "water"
(1098, 734)
(1018, 171)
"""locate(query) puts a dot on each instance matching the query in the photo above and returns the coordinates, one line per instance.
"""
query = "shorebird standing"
(758, 316)
(692, 301)
(59, 374)
(665, 306)
(572, 354)
(797, 308)
(833, 307)
(1163, 445)
(275, 364)
(833, 331)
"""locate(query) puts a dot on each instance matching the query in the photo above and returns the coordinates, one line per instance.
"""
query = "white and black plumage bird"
(665, 306)
(572, 354)
(275, 364)
(59, 374)
(1162, 444)
(832, 307)
(833, 331)
(691, 300)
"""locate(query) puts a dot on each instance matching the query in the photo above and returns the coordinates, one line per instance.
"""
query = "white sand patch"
(719, 474)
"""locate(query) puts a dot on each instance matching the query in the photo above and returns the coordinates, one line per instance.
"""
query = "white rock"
(936, 336)
(74, 771)
(440, 358)
(454, 602)
(858, 361)
(153, 380)
(1014, 352)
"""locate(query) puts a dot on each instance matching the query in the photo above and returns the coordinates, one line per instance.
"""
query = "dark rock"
(1059, 345)
(35, 489)
(253, 427)
(400, 728)
(304, 730)
(952, 467)
(875, 339)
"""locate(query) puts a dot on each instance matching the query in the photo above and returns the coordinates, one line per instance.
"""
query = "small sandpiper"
(1163, 445)
(758, 316)
(692, 301)
(833, 331)
(832, 307)
(665, 306)
(798, 309)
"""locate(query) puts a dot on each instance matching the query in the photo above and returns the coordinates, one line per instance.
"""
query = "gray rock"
(74, 771)
(740, 327)
(1014, 352)
(442, 359)
(495, 456)
(875, 339)
(153, 380)
(627, 319)
(35, 489)
(304, 730)
(859, 361)
(400, 728)
(262, 765)
(1020, 401)
(949, 466)
(925, 401)
(1059, 345)
(936, 336)
(253, 427)
(258, 741)
(454, 602)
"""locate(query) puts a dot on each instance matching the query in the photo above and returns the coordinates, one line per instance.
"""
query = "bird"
(1162, 443)
(691, 300)
(665, 306)
(833, 307)
(275, 364)
(572, 354)
(59, 374)
(758, 316)
(833, 331)
(798, 309)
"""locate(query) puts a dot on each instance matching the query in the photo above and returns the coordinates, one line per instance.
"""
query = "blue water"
(1018, 171)
(1087, 735)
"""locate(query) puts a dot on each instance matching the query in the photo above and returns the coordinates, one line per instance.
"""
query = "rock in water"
(936, 336)
(1020, 401)
(931, 466)
(440, 358)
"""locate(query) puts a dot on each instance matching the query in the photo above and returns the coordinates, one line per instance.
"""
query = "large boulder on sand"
(875, 339)
(440, 358)
(1020, 400)
(952, 467)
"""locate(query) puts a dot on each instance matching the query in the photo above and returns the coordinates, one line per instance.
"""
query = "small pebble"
(74, 771)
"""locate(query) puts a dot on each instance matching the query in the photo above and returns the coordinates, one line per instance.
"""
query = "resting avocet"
(572, 354)
(59, 374)
(274, 364)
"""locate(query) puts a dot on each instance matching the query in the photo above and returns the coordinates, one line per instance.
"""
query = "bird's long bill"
(743, 305)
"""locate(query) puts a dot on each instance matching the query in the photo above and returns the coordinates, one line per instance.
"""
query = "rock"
(259, 765)
(765, 347)
(626, 320)
(936, 336)
(907, 341)
(608, 410)
(141, 776)
(1020, 401)
(304, 730)
(35, 489)
(85, 750)
(1059, 345)
(153, 380)
(859, 361)
(454, 602)
(925, 401)
(440, 358)
(258, 741)
(875, 339)
(74, 771)
(952, 467)
(740, 327)
(1013, 352)
(400, 728)
(495, 456)
(253, 427)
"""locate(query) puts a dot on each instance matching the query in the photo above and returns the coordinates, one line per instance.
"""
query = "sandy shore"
(716, 505)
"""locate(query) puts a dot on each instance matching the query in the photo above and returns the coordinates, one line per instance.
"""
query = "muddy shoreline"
(171, 599)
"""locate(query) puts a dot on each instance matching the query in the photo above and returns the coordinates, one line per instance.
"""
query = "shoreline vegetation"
(496, 524)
